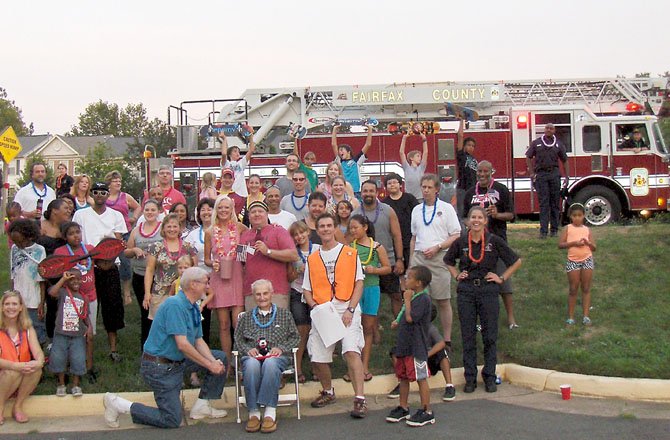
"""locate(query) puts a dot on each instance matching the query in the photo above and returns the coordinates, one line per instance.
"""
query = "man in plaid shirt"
(265, 336)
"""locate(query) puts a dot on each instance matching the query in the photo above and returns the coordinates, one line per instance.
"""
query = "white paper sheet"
(328, 323)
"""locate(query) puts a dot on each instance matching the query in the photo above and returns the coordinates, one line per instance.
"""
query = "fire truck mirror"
(188, 185)
(445, 149)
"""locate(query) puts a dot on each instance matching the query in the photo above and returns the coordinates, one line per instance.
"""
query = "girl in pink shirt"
(577, 239)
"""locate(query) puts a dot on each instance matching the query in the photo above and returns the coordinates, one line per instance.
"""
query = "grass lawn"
(629, 337)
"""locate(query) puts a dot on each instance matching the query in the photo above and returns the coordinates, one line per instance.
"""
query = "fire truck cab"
(594, 118)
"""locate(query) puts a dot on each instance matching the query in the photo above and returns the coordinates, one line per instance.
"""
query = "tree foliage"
(25, 173)
(10, 115)
(98, 162)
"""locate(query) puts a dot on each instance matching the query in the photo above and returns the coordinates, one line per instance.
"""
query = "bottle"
(40, 204)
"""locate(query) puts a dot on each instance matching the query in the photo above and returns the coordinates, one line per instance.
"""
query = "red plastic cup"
(566, 391)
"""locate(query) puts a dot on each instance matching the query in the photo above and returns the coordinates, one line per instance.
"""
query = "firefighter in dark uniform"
(547, 151)
(478, 287)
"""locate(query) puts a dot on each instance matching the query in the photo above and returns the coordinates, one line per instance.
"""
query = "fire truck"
(593, 119)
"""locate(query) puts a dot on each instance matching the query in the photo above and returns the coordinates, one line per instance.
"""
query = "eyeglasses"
(201, 281)
(298, 179)
(100, 192)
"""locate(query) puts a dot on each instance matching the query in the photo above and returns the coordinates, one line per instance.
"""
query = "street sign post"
(9, 148)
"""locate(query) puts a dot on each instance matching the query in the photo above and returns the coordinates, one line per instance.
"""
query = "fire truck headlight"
(661, 202)
(645, 213)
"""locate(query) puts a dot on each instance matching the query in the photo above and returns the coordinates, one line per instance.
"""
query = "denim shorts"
(68, 349)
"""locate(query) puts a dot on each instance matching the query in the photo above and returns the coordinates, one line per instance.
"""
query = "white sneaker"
(61, 391)
(111, 413)
(77, 392)
(202, 408)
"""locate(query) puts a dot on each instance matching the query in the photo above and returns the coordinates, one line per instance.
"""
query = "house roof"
(30, 143)
(81, 144)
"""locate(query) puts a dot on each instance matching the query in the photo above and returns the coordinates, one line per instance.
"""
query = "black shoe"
(115, 357)
(398, 415)
(553, 233)
(420, 418)
(470, 387)
(395, 392)
(91, 376)
(543, 236)
(490, 386)
(449, 393)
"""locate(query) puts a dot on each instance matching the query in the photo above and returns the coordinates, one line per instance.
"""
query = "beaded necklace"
(378, 209)
(546, 144)
(481, 252)
(254, 314)
(303, 203)
(487, 189)
(81, 267)
(82, 312)
(169, 254)
(428, 222)
(309, 252)
(41, 196)
(201, 236)
(372, 251)
(150, 234)
(403, 308)
(232, 237)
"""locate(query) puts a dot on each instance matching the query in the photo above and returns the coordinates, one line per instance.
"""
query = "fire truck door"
(633, 162)
(592, 148)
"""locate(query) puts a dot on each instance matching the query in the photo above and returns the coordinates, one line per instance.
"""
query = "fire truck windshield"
(660, 144)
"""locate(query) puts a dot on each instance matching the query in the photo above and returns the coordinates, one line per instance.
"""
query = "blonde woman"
(208, 186)
(80, 192)
(221, 241)
(333, 170)
(21, 358)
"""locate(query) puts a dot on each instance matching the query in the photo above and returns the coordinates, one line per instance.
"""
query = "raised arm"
(424, 154)
(224, 148)
(252, 144)
(459, 138)
(403, 156)
(368, 141)
(333, 140)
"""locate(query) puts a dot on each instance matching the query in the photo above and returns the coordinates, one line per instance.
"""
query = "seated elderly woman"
(264, 336)
(21, 357)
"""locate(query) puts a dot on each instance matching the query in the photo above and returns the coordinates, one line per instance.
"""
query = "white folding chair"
(285, 399)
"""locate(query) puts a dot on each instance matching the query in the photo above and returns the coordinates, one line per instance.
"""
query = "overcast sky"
(59, 56)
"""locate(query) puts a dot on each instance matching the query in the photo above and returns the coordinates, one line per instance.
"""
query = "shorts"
(38, 325)
(93, 315)
(353, 338)
(506, 286)
(434, 361)
(410, 369)
(440, 286)
(125, 271)
(299, 309)
(579, 265)
(370, 300)
(389, 283)
(278, 299)
(68, 349)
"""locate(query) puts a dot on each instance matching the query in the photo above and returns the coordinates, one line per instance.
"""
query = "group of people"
(278, 267)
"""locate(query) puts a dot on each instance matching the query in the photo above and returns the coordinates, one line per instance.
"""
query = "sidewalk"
(522, 386)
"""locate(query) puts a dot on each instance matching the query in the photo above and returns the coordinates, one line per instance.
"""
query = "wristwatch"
(351, 309)
(269, 252)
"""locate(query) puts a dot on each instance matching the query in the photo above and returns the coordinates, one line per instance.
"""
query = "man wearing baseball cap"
(227, 180)
(267, 249)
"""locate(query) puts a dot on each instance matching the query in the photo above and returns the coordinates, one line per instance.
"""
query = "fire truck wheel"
(602, 206)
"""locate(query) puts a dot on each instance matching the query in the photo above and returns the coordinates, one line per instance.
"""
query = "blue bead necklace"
(303, 203)
(428, 222)
(254, 314)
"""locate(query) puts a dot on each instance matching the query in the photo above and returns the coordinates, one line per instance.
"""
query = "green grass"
(630, 314)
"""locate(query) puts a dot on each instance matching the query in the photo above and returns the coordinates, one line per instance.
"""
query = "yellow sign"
(9, 145)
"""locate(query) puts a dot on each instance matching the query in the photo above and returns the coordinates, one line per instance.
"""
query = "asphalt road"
(471, 420)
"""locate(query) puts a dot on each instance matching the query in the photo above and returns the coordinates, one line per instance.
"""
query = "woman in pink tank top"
(577, 239)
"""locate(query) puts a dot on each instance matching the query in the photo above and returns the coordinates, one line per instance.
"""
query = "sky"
(58, 57)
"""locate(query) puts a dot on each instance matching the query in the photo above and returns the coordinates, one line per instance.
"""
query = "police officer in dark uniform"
(547, 151)
(478, 286)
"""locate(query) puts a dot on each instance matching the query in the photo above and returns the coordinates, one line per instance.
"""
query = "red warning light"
(522, 122)
(633, 107)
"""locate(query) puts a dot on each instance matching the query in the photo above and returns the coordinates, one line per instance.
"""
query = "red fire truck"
(593, 118)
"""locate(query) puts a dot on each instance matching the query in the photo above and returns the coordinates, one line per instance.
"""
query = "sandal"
(301, 378)
(20, 417)
(367, 377)
(346, 378)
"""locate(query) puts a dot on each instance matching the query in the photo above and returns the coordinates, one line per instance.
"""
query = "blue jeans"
(166, 381)
(66, 349)
(262, 380)
(38, 325)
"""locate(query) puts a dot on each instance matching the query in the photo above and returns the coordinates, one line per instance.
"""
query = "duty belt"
(548, 169)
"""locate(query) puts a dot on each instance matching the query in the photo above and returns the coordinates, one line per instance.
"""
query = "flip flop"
(346, 378)
(367, 377)
(301, 378)
(20, 417)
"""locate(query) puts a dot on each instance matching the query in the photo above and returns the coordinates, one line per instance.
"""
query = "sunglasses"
(100, 192)
(298, 179)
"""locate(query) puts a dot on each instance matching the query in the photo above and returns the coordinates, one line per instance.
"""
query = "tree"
(25, 173)
(98, 162)
(10, 115)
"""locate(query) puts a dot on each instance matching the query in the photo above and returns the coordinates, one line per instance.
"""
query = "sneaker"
(490, 386)
(570, 321)
(478, 327)
(395, 392)
(77, 392)
(398, 415)
(470, 387)
(325, 398)
(111, 413)
(202, 408)
(513, 326)
(61, 391)
(586, 320)
(92, 376)
(420, 418)
(115, 357)
(449, 393)
(360, 408)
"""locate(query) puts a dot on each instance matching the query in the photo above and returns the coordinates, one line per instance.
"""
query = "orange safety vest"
(9, 351)
(345, 276)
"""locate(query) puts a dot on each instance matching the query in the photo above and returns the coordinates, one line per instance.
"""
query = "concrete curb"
(656, 390)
